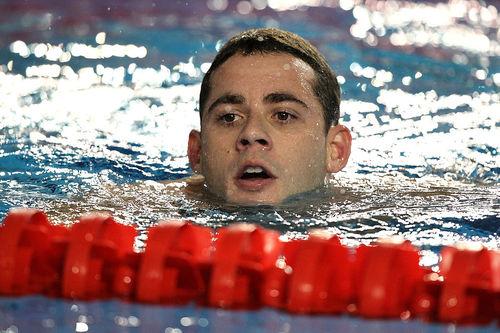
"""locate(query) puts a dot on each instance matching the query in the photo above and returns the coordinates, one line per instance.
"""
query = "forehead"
(268, 70)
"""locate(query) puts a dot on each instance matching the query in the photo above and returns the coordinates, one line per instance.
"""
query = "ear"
(194, 150)
(338, 148)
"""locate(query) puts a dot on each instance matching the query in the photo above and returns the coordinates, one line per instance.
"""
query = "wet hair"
(268, 41)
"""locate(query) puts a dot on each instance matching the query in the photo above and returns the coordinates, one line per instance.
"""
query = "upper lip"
(254, 164)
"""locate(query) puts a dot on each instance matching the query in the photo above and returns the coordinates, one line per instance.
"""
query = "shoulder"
(191, 181)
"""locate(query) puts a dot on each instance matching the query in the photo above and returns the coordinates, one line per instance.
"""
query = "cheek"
(311, 154)
(215, 151)
(312, 142)
(212, 144)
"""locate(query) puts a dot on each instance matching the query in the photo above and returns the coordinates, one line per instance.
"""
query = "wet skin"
(263, 135)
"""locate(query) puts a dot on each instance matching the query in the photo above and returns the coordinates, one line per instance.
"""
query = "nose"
(254, 134)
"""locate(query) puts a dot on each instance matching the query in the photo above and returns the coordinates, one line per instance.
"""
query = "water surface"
(97, 100)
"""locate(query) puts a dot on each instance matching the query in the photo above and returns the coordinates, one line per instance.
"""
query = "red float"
(274, 290)
(386, 277)
(25, 252)
(313, 276)
(95, 245)
(245, 267)
(171, 269)
(243, 253)
(471, 285)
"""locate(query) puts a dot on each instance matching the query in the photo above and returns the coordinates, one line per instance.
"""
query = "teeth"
(254, 170)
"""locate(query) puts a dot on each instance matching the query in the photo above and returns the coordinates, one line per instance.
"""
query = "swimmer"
(269, 114)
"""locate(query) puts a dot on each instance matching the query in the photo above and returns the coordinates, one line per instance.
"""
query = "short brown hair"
(273, 40)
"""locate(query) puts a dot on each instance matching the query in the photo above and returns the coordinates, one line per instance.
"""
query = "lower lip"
(254, 184)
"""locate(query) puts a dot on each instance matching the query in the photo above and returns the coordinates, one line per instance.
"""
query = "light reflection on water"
(49, 315)
(424, 163)
(398, 182)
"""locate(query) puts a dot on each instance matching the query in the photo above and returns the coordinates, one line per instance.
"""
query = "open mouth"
(254, 173)
(254, 178)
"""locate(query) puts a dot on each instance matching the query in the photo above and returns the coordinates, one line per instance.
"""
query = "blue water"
(97, 99)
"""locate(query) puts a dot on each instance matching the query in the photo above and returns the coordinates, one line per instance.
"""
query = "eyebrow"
(227, 99)
(272, 98)
(279, 97)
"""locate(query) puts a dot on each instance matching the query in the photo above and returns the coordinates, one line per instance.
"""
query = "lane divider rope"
(244, 266)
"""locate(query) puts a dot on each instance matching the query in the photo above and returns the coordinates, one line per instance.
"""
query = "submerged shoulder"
(191, 181)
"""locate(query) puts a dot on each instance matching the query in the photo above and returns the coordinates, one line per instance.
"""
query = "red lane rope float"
(29, 244)
(244, 266)
(304, 280)
(386, 277)
(95, 245)
(243, 253)
(171, 270)
(468, 290)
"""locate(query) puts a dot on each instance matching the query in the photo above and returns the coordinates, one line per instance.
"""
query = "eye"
(228, 118)
(284, 116)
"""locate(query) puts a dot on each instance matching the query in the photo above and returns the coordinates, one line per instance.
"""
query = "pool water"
(97, 100)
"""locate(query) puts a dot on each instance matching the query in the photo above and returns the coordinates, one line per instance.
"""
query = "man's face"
(262, 132)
